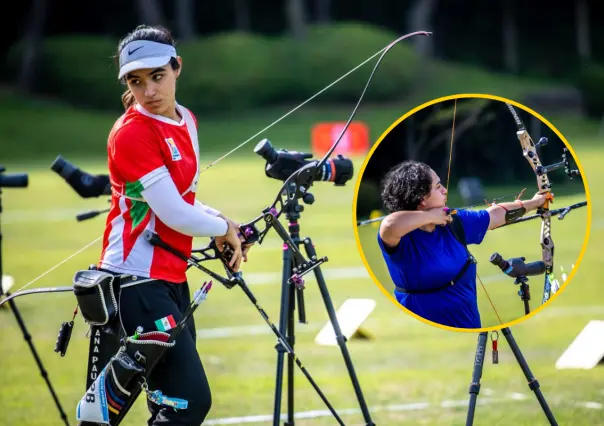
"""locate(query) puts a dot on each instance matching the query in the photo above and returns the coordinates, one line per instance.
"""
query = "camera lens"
(266, 151)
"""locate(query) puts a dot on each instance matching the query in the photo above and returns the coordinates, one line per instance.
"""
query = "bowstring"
(249, 139)
(489, 298)
(451, 146)
(448, 181)
(311, 98)
(59, 264)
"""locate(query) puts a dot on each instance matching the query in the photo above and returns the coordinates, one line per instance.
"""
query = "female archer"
(433, 273)
(153, 168)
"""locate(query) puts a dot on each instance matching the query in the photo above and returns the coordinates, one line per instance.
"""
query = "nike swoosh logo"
(130, 52)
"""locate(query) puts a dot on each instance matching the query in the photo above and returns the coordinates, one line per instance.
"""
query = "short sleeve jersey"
(142, 148)
(428, 260)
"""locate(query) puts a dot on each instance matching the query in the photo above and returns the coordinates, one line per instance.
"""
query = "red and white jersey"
(142, 148)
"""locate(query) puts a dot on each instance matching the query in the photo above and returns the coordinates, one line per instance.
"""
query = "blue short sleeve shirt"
(427, 260)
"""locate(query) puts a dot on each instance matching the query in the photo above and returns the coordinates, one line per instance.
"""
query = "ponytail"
(128, 99)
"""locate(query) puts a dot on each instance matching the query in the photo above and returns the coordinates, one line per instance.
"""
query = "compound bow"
(529, 150)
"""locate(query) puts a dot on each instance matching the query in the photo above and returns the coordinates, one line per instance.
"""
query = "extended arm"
(502, 213)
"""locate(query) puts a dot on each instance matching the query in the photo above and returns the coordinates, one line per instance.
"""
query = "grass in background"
(406, 361)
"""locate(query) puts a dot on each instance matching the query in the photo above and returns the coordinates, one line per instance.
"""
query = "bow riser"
(547, 246)
(529, 150)
(547, 243)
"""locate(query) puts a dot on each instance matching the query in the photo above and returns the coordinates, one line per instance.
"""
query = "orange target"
(355, 140)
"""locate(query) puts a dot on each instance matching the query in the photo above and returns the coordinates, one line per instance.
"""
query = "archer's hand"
(245, 248)
(233, 240)
(438, 216)
(539, 200)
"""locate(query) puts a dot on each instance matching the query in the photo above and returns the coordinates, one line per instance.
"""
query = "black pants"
(179, 373)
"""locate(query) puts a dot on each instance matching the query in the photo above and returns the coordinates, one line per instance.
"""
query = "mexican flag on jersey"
(165, 323)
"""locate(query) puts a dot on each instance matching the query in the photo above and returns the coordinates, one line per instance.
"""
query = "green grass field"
(411, 373)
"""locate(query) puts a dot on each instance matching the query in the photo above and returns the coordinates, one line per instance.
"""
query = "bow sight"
(540, 169)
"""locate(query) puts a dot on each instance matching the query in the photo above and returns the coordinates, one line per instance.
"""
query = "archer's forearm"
(497, 212)
(398, 224)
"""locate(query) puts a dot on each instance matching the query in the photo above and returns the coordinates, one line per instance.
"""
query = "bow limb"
(303, 178)
(529, 150)
(383, 51)
(12, 296)
(354, 111)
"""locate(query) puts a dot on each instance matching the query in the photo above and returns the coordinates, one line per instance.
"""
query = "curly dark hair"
(405, 185)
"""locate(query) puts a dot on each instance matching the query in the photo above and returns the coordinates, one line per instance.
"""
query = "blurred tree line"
(529, 38)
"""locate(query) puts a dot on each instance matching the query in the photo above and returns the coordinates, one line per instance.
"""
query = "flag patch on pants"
(165, 323)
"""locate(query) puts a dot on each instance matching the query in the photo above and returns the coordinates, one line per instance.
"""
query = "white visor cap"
(140, 54)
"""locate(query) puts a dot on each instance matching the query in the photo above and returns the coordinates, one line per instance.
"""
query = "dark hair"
(155, 33)
(405, 186)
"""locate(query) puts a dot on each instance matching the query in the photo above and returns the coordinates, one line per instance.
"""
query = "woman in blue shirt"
(433, 273)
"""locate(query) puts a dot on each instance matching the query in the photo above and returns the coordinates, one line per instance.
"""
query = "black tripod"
(288, 306)
(477, 374)
(21, 181)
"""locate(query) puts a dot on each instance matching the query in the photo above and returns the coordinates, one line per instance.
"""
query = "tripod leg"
(310, 251)
(532, 381)
(283, 326)
(291, 339)
(289, 350)
(476, 375)
(43, 372)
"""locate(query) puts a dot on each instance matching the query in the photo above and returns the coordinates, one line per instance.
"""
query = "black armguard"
(513, 214)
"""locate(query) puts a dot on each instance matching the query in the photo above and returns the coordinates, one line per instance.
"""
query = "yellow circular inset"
(373, 216)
